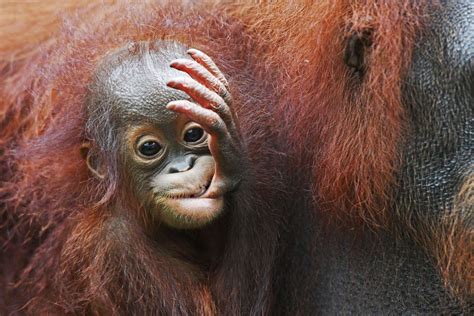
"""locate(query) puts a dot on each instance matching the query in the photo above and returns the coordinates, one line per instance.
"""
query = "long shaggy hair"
(83, 258)
(285, 60)
(347, 128)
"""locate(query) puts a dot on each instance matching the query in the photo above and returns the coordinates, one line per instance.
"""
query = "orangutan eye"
(194, 135)
(149, 148)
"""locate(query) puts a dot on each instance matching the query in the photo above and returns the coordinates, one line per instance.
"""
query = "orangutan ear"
(94, 163)
(356, 50)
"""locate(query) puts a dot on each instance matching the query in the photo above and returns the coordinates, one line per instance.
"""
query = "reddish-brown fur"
(355, 126)
(451, 242)
(84, 260)
(346, 131)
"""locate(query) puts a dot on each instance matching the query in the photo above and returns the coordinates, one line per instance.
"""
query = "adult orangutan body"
(375, 211)
(378, 96)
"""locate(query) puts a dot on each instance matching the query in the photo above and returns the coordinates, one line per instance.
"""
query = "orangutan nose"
(182, 164)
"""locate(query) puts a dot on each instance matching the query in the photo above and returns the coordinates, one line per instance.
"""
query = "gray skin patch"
(439, 94)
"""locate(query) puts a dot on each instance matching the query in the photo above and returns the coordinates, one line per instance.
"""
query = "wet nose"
(183, 164)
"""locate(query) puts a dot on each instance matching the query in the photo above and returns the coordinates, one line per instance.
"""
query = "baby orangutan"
(171, 129)
(174, 217)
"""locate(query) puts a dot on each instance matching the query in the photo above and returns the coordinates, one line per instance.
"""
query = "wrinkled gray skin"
(341, 272)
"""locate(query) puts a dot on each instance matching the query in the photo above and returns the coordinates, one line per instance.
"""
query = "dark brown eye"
(193, 135)
(149, 148)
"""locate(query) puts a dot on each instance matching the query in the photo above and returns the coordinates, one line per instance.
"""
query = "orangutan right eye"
(148, 148)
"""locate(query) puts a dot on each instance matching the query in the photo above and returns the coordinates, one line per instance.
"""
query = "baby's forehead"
(133, 86)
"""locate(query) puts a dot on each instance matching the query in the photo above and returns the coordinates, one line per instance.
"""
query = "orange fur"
(61, 214)
(355, 126)
(451, 241)
(24, 26)
(347, 131)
